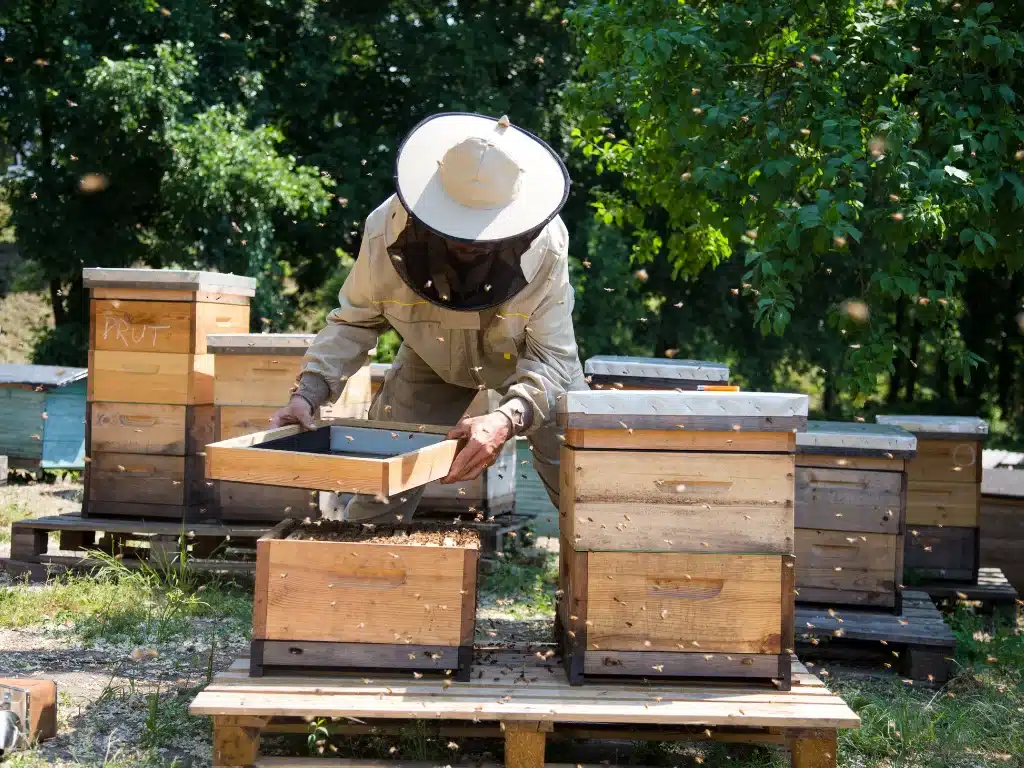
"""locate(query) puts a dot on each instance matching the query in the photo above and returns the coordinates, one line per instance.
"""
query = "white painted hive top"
(169, 279)
(949, 425)
(656, 403)
(259, 343)
(840, 435)
(657, 368)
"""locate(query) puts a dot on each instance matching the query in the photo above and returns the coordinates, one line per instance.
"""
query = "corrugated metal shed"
(42, 416)
(40, 375)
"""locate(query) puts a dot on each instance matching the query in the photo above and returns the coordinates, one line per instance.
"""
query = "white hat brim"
(544, 184)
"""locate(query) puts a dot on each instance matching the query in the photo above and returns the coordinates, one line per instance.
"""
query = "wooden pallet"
(137, 541)
(992, 590)
(917, 643)
(528, 699)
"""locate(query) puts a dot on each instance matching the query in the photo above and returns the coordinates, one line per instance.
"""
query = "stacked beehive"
(676, 526)
(254, 376)
(943, 496)
(631, 373)
(493, 492)
(150, 387)
(851, 486)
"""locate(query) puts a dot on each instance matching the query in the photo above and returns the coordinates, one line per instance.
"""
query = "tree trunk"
(915, 348)
(828, 399)
(942, 378)
(60, 315)
(1006, 370)
(900, 364)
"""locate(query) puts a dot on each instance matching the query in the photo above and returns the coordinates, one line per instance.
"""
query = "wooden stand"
(517, 697)
(991, 589)
(136, 541)
(916, 643)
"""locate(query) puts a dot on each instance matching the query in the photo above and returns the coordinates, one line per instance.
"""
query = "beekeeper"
(468, 262)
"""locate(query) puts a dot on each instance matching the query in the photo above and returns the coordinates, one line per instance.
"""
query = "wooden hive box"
(151, 387)
(34, 702)
(148, 328)
(943, 496)
(42, 416)
(359, 598)
(851, 486)
(1002, 523)
(255, 374)
(493, 492)
(632, 373)
(676, 525)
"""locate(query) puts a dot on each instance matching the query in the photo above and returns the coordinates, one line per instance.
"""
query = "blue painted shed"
(42, 416)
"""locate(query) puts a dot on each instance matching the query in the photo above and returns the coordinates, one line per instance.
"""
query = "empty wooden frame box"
(630, 373)
(346, 456)
(850, 513)
(677, 529)
(371, 598)
(151, 387)
(943, 496)
(493, 492)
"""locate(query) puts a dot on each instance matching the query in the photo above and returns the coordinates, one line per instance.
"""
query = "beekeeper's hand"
(298, 411)
(484, 436)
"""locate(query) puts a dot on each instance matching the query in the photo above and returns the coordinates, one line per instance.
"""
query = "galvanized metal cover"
(259, 343)
(1003, 482)
(696, 411)
(169, 279)
(40, 375)
(656, 368)
(845, 437)
(947, 425)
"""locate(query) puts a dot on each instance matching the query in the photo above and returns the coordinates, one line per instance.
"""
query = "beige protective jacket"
(525, 346)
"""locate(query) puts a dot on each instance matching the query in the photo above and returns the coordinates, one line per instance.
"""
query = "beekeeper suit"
(468, 261)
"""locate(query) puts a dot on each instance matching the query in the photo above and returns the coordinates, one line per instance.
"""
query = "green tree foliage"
(208, 121)
(131, 157)
(842, 150)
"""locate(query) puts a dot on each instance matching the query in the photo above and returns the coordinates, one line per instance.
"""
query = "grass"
(523, 582)
(9, 513)
(121, 605)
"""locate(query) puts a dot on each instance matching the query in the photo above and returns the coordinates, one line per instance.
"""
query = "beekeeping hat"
(474, 178)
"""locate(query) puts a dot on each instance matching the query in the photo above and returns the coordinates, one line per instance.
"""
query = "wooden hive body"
(633, 373)
(943, 496)
(677, 550)
(851, 487)
(1002, 523)
(358, 605)
(255, 374)
(150, 391)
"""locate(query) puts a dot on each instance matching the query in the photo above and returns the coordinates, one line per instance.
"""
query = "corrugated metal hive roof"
(40, 375)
